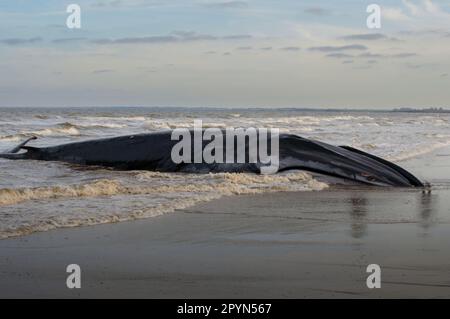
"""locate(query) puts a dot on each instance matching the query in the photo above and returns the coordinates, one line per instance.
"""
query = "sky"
(225, 53)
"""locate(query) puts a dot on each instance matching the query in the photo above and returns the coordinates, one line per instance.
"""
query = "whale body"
(152, 151)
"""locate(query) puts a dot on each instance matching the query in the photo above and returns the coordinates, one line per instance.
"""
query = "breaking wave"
(56, 131)
(222, 183)
(184, 190)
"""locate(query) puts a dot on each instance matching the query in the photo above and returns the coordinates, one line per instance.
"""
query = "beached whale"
(153, 151)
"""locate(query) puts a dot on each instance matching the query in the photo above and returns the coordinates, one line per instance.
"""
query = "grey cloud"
(338, 48)
(151, 39)
(266, 48)
(317, 11)
(290, 49)
(444, 75)
(174, 37)
(339, 56)
(371, 55)
(348, 62)
(430, 32)
(244, 48)
(102, 71)
(237, 37)
(184, 34)
(19, 41)
(367, 36)
(66, 40)
(227, 4)
(381, 56)
(403, 55)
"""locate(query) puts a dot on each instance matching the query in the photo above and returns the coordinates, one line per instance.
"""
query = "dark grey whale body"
(152, 151)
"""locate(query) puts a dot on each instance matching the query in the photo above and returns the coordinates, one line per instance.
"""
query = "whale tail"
(13, 153)
(411, 178)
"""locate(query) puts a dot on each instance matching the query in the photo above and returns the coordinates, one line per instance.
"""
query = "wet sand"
(281, 245)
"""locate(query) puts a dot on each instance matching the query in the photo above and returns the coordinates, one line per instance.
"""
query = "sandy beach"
(278, 245)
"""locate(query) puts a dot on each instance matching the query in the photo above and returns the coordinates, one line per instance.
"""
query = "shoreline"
(276, 245)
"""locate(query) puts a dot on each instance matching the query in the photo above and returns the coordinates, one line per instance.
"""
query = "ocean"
(40, 196)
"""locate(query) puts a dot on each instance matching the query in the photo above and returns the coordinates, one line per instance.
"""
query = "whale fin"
(12, 154)
(21, 145)
(411, 178)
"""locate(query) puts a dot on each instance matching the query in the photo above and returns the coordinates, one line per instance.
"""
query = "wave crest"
(222, 184)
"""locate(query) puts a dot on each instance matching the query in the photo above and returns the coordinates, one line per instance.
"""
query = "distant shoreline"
(224, 109)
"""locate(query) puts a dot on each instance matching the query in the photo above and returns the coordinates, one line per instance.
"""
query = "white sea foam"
(55, 131)
(183, 190)
(222, 183)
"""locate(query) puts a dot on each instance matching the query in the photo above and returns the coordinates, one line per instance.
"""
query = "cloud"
(135, 40)
(66, 40)
(339, 55)
(244, 48)
(426, 32)
(403, 55)
(174, 37)
(383, 56)
(371, 55)
(19, 41)
(127, 3)
(100, 71)
(366, 36)
(237, 37)
(425, 10)
(394, 14)
(432, 8)
(413, 9)
(266, 48)
(227, 4)
(338, 48)
(317, 11)
(111, 3)
(290, 49)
